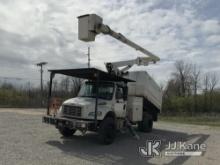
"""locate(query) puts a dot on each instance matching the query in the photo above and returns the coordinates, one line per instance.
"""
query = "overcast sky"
(32, 31)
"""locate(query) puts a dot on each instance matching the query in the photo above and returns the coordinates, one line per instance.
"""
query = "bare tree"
(183, 75)
(64, 87)
(205, 90)
(212, 84)
(55, 83)
(195, 76)
(172, 88)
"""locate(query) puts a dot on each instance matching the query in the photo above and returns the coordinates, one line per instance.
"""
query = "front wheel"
(107, 130)
(66, 132)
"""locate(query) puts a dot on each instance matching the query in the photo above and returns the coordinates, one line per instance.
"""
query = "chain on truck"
(110, 101)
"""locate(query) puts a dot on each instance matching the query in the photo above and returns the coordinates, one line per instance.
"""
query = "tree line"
(29, 96)
(189, 91)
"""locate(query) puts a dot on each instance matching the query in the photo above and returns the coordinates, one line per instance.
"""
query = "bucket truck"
(108, 101)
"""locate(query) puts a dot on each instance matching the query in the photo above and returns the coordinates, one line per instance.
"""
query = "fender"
(110, 114)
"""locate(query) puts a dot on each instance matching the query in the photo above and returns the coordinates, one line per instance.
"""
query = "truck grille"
(72, 110)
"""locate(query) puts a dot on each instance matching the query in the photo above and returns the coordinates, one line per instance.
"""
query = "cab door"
(120, 104)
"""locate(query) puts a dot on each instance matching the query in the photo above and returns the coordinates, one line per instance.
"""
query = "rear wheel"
(107, 130)
(146, 124)
(66, 132)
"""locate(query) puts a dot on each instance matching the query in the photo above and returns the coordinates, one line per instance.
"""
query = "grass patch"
(198, 120)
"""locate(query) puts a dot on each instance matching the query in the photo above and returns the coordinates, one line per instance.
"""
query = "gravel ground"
(24, 139)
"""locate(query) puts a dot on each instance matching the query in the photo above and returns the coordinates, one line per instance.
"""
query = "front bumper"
(69, 123)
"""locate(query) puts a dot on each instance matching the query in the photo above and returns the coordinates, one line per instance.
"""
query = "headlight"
(99, 113)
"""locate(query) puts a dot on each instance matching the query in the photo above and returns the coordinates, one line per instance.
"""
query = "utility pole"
(41, 64)
(89, 57)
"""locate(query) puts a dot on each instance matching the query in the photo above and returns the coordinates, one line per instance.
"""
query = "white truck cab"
(110, 98)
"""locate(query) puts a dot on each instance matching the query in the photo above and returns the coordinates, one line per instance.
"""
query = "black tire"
(146, 124)
(66, 132)
(107, 131)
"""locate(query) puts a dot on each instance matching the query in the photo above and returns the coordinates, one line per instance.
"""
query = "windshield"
(105, 90)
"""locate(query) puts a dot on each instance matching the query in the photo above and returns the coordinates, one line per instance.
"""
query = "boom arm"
(91, 24)
(114, 66)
